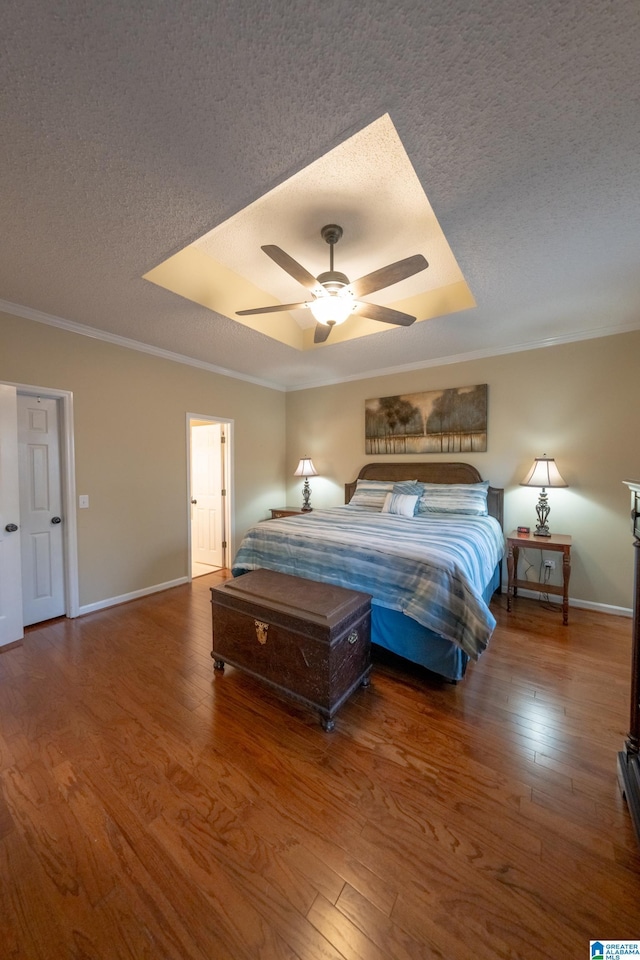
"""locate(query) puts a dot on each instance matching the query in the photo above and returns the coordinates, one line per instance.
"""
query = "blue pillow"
(461, 498)
(371, 493)
(412, 488)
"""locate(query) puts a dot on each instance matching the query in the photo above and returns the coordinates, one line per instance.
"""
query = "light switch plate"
(83, 501)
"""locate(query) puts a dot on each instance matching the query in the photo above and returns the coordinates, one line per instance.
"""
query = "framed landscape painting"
(438, 421)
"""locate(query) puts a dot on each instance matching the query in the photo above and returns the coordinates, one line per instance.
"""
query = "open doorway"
(209, 460)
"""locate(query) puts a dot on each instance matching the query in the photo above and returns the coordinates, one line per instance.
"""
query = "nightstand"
(277, 512)
(558, 542)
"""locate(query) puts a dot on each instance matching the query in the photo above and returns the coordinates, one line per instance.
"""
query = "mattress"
(433, 569)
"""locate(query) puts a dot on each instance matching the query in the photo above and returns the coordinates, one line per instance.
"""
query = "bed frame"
(427, 472)
(390, 629)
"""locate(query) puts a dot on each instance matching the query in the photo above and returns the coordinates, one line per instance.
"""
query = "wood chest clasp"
(261, 631)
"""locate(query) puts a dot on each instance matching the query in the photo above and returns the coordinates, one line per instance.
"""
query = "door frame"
(68, 489)
(228, 483)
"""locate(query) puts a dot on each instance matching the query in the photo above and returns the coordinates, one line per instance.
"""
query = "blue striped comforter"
(433, 568)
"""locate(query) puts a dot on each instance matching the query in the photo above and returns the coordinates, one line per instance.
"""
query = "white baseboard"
(582, 604)
(532, 594)
(145, 592)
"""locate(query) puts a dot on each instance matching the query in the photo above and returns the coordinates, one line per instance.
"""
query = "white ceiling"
(131, 130)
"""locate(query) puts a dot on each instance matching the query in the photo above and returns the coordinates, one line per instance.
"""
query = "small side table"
(558, 542)
(277, 512)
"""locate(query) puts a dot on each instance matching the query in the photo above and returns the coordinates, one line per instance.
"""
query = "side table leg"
(566, 573)
(512, 573)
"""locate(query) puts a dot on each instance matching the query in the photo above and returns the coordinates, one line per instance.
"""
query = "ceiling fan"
(334, 296)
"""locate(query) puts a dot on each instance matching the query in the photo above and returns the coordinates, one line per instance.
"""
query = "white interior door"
(207, 504)
(41, 519)
(10, 565)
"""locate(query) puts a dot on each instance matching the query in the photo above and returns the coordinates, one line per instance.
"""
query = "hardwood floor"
(150, 808)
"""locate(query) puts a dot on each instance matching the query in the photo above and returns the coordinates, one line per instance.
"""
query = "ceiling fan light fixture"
(333, 309)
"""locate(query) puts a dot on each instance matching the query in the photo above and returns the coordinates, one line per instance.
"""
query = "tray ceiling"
(369, 186)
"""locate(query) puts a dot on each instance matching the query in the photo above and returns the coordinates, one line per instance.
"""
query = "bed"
(430, 556)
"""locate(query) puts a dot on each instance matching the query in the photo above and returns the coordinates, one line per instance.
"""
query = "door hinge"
(224, 544)
(223, 439)
(223, 493)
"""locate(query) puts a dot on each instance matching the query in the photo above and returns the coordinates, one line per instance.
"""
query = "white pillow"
(402, 504)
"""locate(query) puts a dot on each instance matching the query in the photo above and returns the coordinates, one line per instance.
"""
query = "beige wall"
(577, 402)
(130, 448)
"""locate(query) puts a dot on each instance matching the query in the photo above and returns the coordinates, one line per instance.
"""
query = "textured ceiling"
(131, 130)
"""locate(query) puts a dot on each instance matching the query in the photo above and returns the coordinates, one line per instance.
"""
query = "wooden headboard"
(429, 472)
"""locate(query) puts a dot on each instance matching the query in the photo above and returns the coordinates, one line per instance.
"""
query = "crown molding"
(30, 314)
(489, 352)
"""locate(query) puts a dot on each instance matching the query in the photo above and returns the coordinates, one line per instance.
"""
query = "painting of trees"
(439, 421)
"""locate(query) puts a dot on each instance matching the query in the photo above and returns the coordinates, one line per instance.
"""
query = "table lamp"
(306, 469)
(543, 473)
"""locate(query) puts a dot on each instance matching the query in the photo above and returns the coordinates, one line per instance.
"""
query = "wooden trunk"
(311, 641)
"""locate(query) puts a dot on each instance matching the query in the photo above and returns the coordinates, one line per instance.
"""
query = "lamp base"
(306, 494)
(542, 510)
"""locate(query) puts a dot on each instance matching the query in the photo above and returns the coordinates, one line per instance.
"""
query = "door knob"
(194, 501)
(56, 519)
(11, 528)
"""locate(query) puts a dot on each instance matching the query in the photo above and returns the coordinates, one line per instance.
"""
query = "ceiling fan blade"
(322, 331)
(276, 308)
(375, 312)
(291, 266)
(386, 276)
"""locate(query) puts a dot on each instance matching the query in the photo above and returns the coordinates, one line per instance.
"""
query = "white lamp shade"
(543, 473)
(306, 468)
(332, 309)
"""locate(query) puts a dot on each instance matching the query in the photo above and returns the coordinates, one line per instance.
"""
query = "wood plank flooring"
(150, 808)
